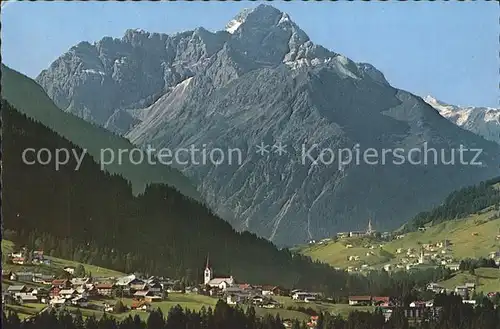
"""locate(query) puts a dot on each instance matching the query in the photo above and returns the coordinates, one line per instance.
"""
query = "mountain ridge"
(483, 121)
(267, 82)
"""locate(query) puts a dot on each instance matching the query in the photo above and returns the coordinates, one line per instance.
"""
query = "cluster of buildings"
(80, 291)
(430, 254)
(414, 313)
(356, 234)
(370, 301)
(243, 293)
(23, 257)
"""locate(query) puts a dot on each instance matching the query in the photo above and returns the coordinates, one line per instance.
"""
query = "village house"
(18, 260)
(80, 301)
(360, 300)
(342, 235)
(141, 295)
(152, 299)
(41, 293)
(70, 269)
(17, 289)
(6, 274)
(386, 235)
(61, 283)
(381, 301)
(140, 305)
(104, 289)
(471, 286)
(434, 287)
(27, 298)
(469, 301)
(268, 290)
(453, 267)
(16, 254)
(54, 292)
(233, 299)
(125, 280)
(238, 290)
(137, 285)
(80, 281)
(462, 291)
(43, 278)
(67, 293)
(310, 298)
(58, 302)
(155, 287)
(38, 255)
(25, 276)
(303, 295)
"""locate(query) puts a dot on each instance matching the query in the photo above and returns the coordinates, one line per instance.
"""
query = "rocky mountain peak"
(264, 81)
(483, 121)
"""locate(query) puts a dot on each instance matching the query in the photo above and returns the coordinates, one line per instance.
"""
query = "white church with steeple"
(209, 280)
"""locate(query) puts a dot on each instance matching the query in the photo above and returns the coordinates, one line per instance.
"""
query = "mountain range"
(262, 81)
(483, 121)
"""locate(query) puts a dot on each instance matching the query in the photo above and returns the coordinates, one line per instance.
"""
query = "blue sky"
(446, 49)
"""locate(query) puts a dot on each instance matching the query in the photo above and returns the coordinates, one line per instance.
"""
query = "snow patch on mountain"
(92, 71)
(483, 121)
(232, 26)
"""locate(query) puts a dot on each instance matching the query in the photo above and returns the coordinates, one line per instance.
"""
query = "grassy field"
(336, 309)
(188, 301)
(472, 237)
(337, 253)
(196, 302)
(25, 310)
(486, 280)
(56, 264)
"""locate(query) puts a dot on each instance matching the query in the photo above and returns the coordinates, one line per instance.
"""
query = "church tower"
(208, 273)
(370, 230)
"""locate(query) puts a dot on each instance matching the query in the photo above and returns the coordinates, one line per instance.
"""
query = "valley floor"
(290, 309)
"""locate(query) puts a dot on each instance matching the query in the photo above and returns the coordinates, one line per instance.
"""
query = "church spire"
(369, 231)
(207, 274)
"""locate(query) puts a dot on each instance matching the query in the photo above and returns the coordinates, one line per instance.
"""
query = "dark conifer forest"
(460, 204)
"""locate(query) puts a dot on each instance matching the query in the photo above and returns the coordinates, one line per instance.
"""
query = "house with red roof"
(360, 300)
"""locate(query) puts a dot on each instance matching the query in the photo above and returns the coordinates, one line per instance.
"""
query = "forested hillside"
(93, 217)
(460, 204)
(30, 99)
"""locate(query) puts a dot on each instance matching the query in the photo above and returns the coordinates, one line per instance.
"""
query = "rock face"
(121, 122)
(483, 121)
(262, 81)
(93, 81)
